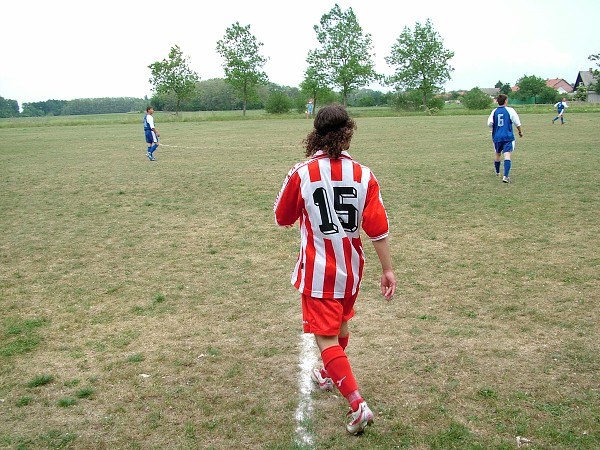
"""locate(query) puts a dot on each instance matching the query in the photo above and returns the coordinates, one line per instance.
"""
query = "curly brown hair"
(332, 133)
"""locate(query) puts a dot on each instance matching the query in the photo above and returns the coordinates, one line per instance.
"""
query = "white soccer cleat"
(360, 419)
(505, 180)
(325, 383)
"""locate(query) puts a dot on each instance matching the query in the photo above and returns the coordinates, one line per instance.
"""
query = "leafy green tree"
(530, 86)
(242, 61)
(476, 99)
(596, 72)
(173, 75)
(32, 110)
(216, 95)
(8, 108)
(549, 95)
(345, 54)
(420, 61)
(407, 100)
(278, 103)
(315, 82)
(580, 93)
(504, 88)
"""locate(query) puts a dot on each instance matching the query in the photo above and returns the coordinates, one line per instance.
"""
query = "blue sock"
(497, 166)
(153, 148)
(506, 167)
(149, 148)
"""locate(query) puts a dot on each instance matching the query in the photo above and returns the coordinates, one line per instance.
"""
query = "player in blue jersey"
(151, 133)
(501, 122)
(560, 108)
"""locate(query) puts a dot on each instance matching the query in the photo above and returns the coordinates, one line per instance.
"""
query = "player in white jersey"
(501, 122)
(333, 197)
(560, 109)
(151, 133)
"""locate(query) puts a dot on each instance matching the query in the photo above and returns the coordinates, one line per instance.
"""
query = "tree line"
(337, 70)
(342, 63)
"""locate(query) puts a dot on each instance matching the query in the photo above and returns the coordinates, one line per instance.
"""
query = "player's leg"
(154, 144)
(509, 147)
(497, 153)
(149, 142)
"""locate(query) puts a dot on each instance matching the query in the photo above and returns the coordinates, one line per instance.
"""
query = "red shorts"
(324, 316)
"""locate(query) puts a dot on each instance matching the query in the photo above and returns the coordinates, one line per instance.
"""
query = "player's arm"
(490, 121)
(388, 280)
(375, 224)
(288, 203)
(517, 121)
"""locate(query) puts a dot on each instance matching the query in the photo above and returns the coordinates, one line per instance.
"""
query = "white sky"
(66, 49)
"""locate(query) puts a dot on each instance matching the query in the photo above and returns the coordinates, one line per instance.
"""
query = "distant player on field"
(333, 196)
(151, 133)
(501, 122)
(309, 108)
(560, 108)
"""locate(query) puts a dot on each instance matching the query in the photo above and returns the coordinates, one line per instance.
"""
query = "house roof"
(491, 91)
(586, 77)
(559, 84)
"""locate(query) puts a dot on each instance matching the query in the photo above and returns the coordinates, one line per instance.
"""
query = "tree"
(345, 56)
(596, 72)
(174, 76)
(549, 95)
(477, 99)
(242, 62)
(278, 103)
(315, 79)
(504, 88)
(420, 60)
(580, 93)
(8, 107)
(530, 86)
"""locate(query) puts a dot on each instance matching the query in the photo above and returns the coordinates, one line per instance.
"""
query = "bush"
(278, 103)
(413, 101)
(477, 99)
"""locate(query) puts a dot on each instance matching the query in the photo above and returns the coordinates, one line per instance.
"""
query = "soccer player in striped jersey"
(501, 122)
(333, 197)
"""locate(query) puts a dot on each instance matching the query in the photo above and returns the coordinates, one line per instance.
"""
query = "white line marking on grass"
(308, 360)
(160, 144)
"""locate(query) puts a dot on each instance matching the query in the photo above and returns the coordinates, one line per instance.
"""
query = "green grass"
(155, 299)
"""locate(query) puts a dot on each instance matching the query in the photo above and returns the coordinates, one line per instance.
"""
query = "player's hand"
(388, 284)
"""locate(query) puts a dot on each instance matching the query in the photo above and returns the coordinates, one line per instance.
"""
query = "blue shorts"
(151, 137)
(504, 146)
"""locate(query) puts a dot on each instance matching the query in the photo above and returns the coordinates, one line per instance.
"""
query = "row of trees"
(209, 95)
(343, 62)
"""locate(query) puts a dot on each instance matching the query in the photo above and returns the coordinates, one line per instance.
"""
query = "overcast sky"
(66, 49)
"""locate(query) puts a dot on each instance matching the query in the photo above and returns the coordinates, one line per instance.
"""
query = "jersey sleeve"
(515, 117)
(490, 121)
(375, 221)
(288, 204)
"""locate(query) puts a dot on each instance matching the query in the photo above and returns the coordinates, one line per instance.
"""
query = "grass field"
(148, 305)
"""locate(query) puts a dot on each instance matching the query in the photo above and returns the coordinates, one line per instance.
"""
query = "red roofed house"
(560, 85)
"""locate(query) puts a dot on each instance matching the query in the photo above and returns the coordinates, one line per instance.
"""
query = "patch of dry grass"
(156, 296)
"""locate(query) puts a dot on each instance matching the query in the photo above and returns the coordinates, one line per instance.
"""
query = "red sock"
(344, 341)
(338, 368)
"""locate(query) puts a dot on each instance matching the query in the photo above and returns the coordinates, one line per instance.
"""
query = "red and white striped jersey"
(334, 199)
